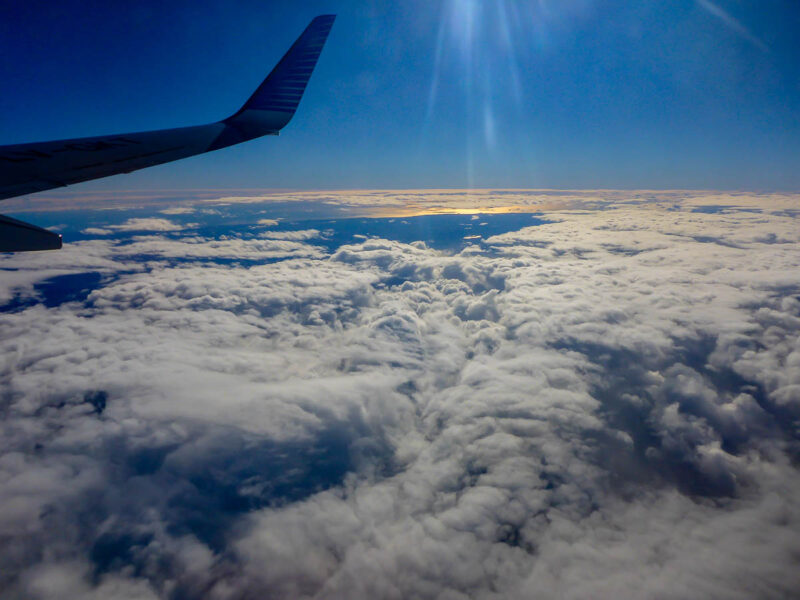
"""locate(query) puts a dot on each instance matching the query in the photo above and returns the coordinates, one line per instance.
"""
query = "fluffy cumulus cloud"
(143, 224)
(606, 405)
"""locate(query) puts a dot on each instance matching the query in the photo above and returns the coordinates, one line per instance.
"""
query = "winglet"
(275, 101)
(282, 89)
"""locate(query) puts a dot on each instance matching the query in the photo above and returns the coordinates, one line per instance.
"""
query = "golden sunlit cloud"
(404, 203)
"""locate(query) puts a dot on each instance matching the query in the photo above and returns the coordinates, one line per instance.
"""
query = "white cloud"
(223, 248)
(178, 210)
(97, 231)
(605, 405)
(152, 224)
(301, 235)
(143, 224)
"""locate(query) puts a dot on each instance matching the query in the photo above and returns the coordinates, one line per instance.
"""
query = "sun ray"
(732, 23)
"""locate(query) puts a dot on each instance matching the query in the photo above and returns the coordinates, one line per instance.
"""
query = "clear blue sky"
(426, 93)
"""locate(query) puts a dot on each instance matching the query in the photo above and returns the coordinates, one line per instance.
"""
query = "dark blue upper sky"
(426, 93)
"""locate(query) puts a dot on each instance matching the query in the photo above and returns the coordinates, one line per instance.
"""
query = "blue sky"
(421, 94)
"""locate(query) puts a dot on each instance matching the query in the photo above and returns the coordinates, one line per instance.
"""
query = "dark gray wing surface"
(29, 168)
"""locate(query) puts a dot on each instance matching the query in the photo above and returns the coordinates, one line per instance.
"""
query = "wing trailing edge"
(18, 236)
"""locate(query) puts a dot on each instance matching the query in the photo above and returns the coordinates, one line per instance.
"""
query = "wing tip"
(275, 101)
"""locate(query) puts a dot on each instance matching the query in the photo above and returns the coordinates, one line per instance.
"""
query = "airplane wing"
(29, 168)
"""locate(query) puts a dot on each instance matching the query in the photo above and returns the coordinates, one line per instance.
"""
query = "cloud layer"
(141, 224)
(348, 203)
(603, 406)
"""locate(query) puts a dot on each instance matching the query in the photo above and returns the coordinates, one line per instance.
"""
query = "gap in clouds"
(444, 232)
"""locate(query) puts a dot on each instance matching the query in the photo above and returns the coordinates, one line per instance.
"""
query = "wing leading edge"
(29, 168)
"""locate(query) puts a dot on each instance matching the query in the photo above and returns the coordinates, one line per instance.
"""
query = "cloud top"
(141, 224)
(604, 405)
